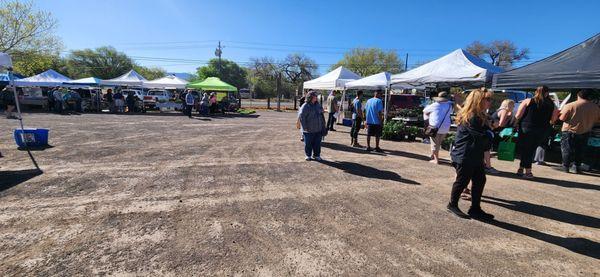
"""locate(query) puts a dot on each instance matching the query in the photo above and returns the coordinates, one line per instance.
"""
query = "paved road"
(167, 195)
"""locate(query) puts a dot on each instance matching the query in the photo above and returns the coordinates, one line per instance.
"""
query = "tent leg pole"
(385, 112)
(10, 79)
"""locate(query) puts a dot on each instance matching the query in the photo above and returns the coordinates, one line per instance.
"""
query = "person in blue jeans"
(312, 122)
(374, 120)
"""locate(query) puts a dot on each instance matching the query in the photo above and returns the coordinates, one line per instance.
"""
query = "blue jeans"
(312, 144)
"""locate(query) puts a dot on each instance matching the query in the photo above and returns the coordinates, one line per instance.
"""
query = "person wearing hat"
(438, 113)
(312, 124)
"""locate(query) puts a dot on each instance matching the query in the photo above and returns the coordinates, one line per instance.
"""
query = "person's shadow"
(368, 172)
(551, 181)
(9, 179)
(545, 212)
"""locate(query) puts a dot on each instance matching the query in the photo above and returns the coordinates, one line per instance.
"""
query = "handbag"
(506, 149)
(432, 131)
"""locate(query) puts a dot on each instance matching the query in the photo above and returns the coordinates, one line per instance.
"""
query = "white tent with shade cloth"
(131, 78)
(85, 82)
(334, 80)
(48, 78)
(457, 67)
(167, 82)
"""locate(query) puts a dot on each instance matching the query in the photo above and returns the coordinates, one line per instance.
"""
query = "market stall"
(92, 85)
(167, 82)
(458, 68)
(129, 79)
(225, 92)
(573, 68)
(379, 81)
(48, 78)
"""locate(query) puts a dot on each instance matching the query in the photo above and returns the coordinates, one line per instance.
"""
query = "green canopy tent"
(212, 84)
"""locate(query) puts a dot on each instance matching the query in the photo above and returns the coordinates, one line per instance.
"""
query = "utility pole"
(218, 53)
(406, 63)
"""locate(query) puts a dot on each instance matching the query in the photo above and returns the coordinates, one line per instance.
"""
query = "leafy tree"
(230, 72)
(22, 28)
(503, 53)
(30, 63)
(299, 68)
(369, 61)
(103, 62)
(150, 73)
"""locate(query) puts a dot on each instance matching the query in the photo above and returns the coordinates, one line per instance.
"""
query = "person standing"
(357, 118)
(8, 98)
(579, 117)
(312, 123)
(467, 154)
(109, 100)
(130, 102)
(331, 110)
(189, 103)
(374, 120)
(500, 119)
(438, 114)
(204, 105)
(535, 116)
(59, 101)
(119, 103)
(213, 103)
(301, 102)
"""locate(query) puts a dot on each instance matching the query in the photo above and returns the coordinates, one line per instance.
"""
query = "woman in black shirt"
(535, 116)
(472, 138)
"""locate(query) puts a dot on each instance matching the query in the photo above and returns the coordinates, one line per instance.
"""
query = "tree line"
(28, 35)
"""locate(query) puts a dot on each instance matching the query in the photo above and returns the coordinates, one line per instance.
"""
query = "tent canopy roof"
(131, 78)
(170, 81)
(212, 84)
(459, 66)
(575, 67)
(375, 81)
(48, 78)
(89, 81)
(334, 80)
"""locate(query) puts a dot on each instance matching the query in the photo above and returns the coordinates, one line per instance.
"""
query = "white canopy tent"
(84, 82)
(131, 78)
(48, 78)
(334, 80)
(457, 67)
(373, 82)
(167, 82)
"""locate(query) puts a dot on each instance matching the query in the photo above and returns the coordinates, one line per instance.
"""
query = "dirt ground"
(168, 195)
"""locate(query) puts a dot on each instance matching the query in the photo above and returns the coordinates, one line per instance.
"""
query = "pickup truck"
(155, 96)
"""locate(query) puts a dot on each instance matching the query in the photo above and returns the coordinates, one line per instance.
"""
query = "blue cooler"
(34, 137)
(347, 122)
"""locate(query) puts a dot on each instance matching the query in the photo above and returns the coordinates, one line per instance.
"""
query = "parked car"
(156, 96)
(138, 93)
(33, 97)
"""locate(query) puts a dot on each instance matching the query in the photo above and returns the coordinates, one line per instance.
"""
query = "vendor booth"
(91, 87)
(226, 97)
(379, 81)
(167, 82)
(459, 68)
(574, 68)
(129, 79)
(334, 80)
(48, 78)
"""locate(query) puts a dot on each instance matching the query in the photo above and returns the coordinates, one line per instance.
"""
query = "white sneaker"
(308, 158)
(318, 159)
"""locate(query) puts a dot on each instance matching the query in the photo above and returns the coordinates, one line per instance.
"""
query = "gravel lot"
(168, 195)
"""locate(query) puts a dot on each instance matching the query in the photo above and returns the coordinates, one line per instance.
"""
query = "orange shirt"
(581, 116)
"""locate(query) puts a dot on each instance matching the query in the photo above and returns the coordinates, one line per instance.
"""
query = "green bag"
(506, 150)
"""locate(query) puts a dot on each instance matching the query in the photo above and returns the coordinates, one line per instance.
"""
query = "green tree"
(230, 72)
(103, 62)
(503, 53)
(150, 73)
(299, 68)
(22, 28)
(30, 63)
(369, 61)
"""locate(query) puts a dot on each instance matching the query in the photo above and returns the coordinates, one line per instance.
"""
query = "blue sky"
(181, 35)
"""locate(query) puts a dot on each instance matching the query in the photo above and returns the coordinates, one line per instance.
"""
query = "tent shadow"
(581, 246)
(36, 148)
(368, 172)
(9, 179)
(545, 212)
(549, 181)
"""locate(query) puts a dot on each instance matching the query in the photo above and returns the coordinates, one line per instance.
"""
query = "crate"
(34, 137)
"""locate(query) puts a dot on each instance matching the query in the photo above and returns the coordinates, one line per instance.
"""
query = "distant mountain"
(185, 76)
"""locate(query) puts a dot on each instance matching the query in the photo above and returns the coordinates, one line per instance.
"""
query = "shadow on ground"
(368, 172)
(549, 181)
(545, 212)
(9, 179)
(581, 246)
(347, 148)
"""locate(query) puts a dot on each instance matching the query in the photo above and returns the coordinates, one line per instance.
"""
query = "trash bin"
(34, 137)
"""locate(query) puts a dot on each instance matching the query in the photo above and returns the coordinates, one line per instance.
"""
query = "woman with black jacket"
(472, 137)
